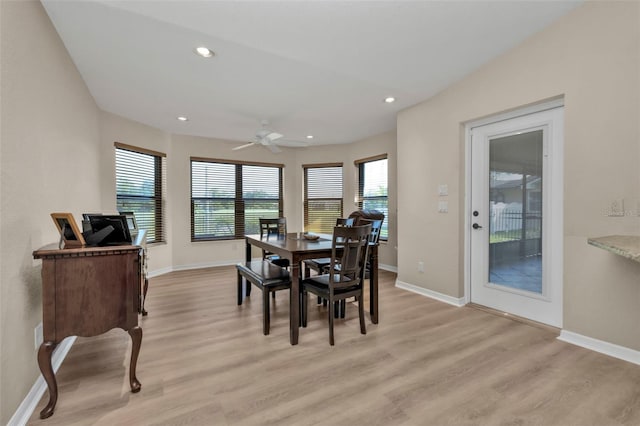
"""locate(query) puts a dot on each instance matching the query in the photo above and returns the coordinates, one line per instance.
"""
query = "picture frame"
(70, 235)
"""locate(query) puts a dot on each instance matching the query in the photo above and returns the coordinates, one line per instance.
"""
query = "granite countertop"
(624, 245)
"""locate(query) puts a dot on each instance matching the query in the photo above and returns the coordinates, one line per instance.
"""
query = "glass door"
(516, 219)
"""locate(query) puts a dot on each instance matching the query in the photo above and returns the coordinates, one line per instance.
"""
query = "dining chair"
(376, 226)
(319, 264)
(274, 228)
(345, 276)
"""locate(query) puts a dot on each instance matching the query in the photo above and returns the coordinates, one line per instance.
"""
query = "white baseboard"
(389, 268)
(616, 351)
(455, 301)
(162, 271)
(204, 265)
(25, 410)
(158, 272)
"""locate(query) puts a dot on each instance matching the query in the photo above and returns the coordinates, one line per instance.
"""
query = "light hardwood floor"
(204, 361)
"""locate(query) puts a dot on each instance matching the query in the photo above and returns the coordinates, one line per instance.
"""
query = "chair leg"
(265, 311)
(363, 328)
(239, 289)
(273, 295)
(343, 308)
(248, 288)
(331, 313)
(320, 300)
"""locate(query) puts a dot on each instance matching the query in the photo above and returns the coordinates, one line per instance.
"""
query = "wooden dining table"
(296, 248)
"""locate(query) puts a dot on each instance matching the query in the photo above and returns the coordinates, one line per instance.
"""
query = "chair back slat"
(273, 227)
(348, 255)
(376, 226)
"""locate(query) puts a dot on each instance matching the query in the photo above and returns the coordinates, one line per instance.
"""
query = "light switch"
(443, 189)
(443, 206)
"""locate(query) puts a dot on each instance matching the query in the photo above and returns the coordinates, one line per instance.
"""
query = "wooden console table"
(85, 292)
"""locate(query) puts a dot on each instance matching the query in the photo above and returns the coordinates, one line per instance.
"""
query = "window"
(228, 198)
(140, 183)
(322, 197)
(373, 190)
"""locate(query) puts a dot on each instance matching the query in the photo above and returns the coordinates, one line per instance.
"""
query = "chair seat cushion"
(263, 272)
(320, 284)
(318, 264)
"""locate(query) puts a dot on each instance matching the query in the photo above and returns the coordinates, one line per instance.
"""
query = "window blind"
(140, 186)
(322, 197)
(373, 188)
(228, 198)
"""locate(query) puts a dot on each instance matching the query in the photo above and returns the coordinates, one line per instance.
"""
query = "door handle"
(476, 226)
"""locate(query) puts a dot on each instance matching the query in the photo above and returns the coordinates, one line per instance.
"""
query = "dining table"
(296, 247)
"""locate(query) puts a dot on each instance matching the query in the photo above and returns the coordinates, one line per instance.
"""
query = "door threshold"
(513, 317)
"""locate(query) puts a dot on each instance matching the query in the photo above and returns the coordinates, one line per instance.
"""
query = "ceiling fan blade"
(273, 136)
(243, 146)
(274, 149)
(293, 143)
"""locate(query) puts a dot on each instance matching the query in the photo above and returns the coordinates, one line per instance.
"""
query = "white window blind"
(140, 183)
(322, 197)
(228, 198)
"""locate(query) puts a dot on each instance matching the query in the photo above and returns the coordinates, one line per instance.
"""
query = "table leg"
(373, 285)
(136, 339)
(294, 302)
(247, 258)
(247, 251)
(44, 362)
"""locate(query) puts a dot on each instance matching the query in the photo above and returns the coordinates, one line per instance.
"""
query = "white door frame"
(558, 181)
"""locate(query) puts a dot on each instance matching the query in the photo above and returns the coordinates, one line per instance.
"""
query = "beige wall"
(49, 162)
(188, 254)
(114, 128)
(592, 57)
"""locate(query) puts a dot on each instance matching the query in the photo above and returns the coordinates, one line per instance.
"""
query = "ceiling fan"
(268, 138)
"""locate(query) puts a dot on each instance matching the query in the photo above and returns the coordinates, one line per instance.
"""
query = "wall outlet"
(420, 266)
(37, 334)
(443, 206)
(443, 189)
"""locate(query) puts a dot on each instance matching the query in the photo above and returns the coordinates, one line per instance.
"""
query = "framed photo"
(70, 234)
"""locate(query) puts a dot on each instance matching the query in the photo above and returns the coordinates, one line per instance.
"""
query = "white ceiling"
(309, 67)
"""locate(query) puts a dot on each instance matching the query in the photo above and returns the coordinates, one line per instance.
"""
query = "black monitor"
(120, 234)
(131, 222)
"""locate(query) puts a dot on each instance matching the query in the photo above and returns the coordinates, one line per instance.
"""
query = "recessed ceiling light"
(389, 99)
(205, 52)
(182, 118)
(309, 136)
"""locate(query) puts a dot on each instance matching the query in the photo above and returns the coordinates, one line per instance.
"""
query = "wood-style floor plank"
(204, 361)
